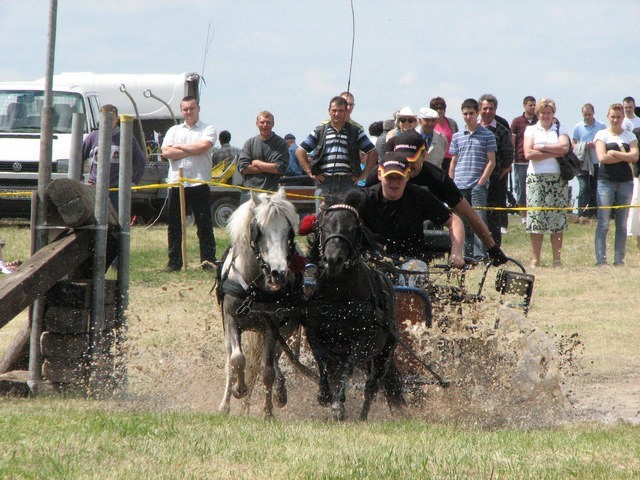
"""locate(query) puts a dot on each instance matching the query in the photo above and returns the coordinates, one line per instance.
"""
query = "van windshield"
(21, 110)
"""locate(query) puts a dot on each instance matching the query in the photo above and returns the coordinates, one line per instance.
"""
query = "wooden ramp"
(42, 271)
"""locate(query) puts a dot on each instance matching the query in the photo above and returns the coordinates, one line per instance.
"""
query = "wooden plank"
(41, 271)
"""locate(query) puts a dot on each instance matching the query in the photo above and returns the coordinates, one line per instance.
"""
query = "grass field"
(164, 430)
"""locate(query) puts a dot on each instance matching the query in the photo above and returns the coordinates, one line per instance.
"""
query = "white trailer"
(156, 104)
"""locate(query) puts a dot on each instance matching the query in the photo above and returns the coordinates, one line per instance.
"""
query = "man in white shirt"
(189, 146)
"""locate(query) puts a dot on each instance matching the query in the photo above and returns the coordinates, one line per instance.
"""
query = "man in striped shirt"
(334, 148)
(473, 159)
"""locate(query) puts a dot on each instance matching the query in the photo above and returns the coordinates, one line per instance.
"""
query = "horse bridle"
(256, 233)
(354, 248)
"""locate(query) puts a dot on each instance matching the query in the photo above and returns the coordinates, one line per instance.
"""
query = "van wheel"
(221, 211)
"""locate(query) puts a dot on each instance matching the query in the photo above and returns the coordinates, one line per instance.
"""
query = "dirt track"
(515, 376)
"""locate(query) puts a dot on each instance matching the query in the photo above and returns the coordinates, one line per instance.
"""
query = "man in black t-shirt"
(395, 212)
(411, 144)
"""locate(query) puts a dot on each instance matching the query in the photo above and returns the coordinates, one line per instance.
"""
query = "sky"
(291, 56)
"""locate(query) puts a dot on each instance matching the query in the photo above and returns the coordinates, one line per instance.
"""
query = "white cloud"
(408, 79)
(319, 82)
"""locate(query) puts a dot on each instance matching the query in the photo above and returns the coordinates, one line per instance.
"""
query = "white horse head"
(261, 231)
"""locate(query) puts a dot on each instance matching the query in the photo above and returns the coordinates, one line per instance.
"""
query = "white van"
(20, 118)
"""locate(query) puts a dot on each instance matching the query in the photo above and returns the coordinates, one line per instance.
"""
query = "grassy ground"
(178, 437)
(55, 439)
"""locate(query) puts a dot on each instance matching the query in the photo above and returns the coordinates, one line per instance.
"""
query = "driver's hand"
(456, 261)
(497, 256)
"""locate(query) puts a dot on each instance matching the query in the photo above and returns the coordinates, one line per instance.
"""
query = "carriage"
(358, 316)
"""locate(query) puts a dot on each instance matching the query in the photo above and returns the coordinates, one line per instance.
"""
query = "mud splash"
(513, 375)
(503, 371)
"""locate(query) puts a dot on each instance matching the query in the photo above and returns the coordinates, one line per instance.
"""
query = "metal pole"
(44, 176)
(124, 252)
(100, 244)
(148, 94)
(183, 219)
(75, 155)
(141, 139)
(124, 202)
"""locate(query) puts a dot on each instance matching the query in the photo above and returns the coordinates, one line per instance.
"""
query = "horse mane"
(262, 209)
(276, 205)
(239, 226)
(353, 197)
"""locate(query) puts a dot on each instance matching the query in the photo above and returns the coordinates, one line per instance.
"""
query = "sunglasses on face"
(405, 120)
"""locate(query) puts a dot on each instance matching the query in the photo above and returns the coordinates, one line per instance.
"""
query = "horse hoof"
(240, 392)
(324, 398)
(338, 411)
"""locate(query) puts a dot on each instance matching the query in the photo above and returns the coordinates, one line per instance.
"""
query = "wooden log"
(41, 271)
(74, 203)
(16, 356)
(61, 370)
(64, 346)
(66, 320)
(74, 321)
(77, 293)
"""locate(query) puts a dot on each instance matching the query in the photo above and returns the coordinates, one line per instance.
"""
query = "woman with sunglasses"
(405, 121)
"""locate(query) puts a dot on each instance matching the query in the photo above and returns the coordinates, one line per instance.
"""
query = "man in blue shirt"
(294, 167)
(473, 159)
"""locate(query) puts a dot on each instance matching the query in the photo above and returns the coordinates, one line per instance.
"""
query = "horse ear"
(254, 197)
(282, 193)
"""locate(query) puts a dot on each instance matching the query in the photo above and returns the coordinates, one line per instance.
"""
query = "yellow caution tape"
(156, 186)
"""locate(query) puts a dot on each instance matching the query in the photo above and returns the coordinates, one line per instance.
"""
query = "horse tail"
(252, 345)
(392, 385)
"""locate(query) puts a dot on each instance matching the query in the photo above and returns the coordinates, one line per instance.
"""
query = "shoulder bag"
(570, 164)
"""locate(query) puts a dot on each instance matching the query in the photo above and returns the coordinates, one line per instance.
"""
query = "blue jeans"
(477, 197)
(519, 175)
(612, 193)
(588, 196)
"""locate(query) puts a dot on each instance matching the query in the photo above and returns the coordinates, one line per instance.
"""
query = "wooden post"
(183, 219)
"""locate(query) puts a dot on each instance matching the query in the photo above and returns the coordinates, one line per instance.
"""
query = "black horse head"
(340, 234)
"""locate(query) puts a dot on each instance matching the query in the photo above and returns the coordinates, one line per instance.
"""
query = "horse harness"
(355, 248)
(249, 292)
(377, 306)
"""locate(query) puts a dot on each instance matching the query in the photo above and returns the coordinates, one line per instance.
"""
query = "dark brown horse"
(351, 319)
